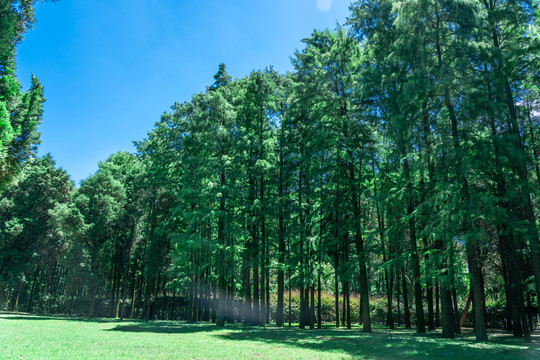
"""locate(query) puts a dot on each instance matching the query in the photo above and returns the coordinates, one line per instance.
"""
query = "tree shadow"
(503, 337)
(170, 327)
(20, 316)
(390, 344)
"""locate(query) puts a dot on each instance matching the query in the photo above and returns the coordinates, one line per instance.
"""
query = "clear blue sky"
(110, 68)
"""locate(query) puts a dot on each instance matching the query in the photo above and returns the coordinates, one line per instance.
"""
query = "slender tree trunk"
(256, 290)
(281, 238)
(268, 307)
(360, 250)
(344, 308)
(124, 293)
(290, 304)
(389, 279)
(32, 290)
(466, 310)
(147, 298)
(281, 258)
(207, 290)
(415, 261)
(246, 313)
(220, 321)
(508, 307)
(262, 313)
(398, 296)
(302, 322)
(437, 308)
(431, 315)
(312, 309)
(93, 292)
(113, 281)
(139, 295)
(71, 303)
(231, 267)
(529, 312)
(405, 300)
(429, 290)
(456, 311)
(215, 304)
(319, 304)
(290, 287)
(336, 289)
(447, 311)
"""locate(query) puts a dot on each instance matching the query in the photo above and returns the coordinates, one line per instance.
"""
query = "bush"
(328, 303)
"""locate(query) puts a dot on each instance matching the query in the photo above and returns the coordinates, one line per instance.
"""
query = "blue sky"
(110, 68)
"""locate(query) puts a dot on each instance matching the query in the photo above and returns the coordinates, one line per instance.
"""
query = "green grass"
(42, 337)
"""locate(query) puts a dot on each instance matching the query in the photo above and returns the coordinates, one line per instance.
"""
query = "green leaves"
(20, 113)
(6, 133)
(27, 218)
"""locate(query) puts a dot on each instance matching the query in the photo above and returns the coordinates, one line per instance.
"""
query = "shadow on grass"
(168, 327)
(384, 344)
(58, 317)
(381, 344)
(15, 316)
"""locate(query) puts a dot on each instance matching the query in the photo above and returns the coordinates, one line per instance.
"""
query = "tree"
(20, 113)
(100, 200)
(27, 243)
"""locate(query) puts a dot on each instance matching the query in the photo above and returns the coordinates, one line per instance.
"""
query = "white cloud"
(324, 5)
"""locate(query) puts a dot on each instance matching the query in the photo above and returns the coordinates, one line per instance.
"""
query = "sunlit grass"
(40, 337)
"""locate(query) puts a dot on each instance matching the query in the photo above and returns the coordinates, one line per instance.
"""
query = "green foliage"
(27, 236)
(20, 113)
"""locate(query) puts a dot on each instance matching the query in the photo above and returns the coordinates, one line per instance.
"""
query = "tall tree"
(20, 113)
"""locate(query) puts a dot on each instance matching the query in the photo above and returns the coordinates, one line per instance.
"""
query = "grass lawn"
(42, 337)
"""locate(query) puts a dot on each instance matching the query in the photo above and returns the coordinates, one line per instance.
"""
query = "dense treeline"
(392, 176)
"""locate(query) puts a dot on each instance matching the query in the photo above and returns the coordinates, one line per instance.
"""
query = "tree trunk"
(415, 261)
(336, 289)
(398, 296)
(457, 328)
(362, 258)
(281, 263)
(447, 311)
(437, 309)
(466, 310)
(312, 308)
(405, 300)
(32, 290)
(319, 305)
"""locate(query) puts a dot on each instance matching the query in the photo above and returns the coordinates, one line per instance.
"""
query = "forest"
(393, 178)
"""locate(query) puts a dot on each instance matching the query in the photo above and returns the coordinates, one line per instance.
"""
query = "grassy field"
(41, 337)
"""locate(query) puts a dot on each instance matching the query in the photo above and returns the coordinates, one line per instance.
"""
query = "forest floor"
(54, 337)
